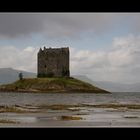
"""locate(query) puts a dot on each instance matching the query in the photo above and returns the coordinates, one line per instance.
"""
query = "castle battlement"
(56, 50)
(53, 61)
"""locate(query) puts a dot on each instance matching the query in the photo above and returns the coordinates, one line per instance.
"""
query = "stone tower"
(53, 62)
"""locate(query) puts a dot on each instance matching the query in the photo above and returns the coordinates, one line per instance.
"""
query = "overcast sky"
(103, 46)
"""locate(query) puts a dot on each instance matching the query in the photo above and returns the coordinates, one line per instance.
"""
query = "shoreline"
(51, 91)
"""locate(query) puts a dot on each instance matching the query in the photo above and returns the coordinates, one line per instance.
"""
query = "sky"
(103, 46)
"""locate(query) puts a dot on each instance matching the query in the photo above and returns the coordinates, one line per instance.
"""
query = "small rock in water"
(70, 118)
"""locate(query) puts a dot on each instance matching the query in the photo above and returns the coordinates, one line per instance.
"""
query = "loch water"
(68, 98)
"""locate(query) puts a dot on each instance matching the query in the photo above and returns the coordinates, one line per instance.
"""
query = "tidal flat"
(71, 110)
(85, 115)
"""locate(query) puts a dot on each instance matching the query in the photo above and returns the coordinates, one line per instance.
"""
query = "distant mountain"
(111, 86)
(9, 75)
(83, 78)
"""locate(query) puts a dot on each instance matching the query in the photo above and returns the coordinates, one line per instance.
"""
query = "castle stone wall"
(53, 61)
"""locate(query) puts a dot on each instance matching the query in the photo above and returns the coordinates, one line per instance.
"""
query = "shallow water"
(67, 98)
(91, 116)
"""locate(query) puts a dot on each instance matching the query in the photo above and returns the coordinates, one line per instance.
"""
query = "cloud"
(54, 25)
(13, 25)
(120, 64)
(22, 59)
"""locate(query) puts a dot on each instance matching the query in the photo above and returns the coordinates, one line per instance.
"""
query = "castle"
(53, 62)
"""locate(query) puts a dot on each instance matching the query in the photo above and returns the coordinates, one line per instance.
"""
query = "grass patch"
(54, 84)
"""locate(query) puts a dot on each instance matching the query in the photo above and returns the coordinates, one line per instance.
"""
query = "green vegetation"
(53, 84)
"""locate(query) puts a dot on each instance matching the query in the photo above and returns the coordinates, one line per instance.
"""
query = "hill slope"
(47, 85)
(9, 75)
(111, 86)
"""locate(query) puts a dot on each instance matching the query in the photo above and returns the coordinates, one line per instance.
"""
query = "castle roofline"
(46, 49)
